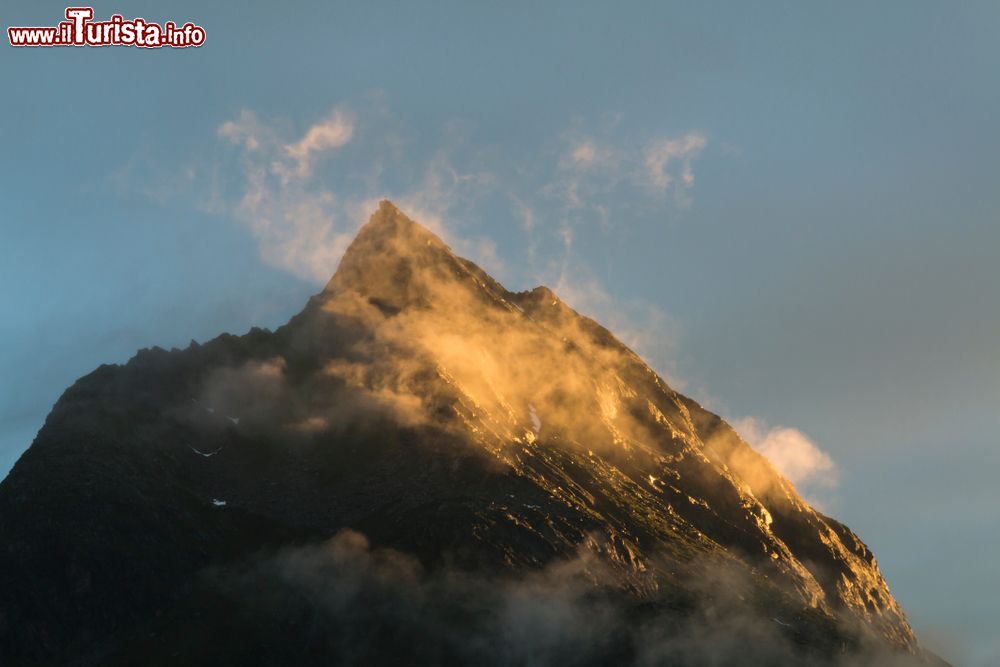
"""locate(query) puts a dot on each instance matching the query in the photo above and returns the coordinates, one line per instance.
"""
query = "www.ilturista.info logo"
(80, 30)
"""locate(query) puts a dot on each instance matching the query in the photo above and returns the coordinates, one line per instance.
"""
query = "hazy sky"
(791, 209)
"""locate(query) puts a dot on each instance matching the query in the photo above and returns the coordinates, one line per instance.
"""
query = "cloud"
(375, 605)
(663, 153)
(596, 167)
(333, 132)
(245, 130)
(303, 223)
(585, 153)
(303, 195)
(603, 178)
(591, 153)
(791, 451)
(299, 227)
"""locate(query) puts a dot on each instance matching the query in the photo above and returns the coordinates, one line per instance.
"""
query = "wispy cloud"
(299, 228)
(244, 130)
(601, 173)
(304, 194)
(669, 162)
(589, 152)
(791, 451)
(585, 153)
(304, 217)
(574, 611)
(326, 135)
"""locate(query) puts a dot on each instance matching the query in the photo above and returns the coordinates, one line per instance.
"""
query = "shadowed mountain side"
(416, 456)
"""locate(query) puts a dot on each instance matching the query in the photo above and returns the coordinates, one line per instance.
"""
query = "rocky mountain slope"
(419, 468)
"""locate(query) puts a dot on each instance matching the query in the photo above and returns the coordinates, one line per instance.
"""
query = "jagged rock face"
(419, 402)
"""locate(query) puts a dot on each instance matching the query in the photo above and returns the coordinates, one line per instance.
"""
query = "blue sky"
(792, 211)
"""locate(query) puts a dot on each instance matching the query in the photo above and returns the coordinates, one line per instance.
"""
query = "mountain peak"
(389, 223)
(387, 205)
(389, 219)
(387, 248)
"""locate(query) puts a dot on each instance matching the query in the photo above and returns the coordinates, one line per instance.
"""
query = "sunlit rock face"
(555, 397)
(484, 434)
